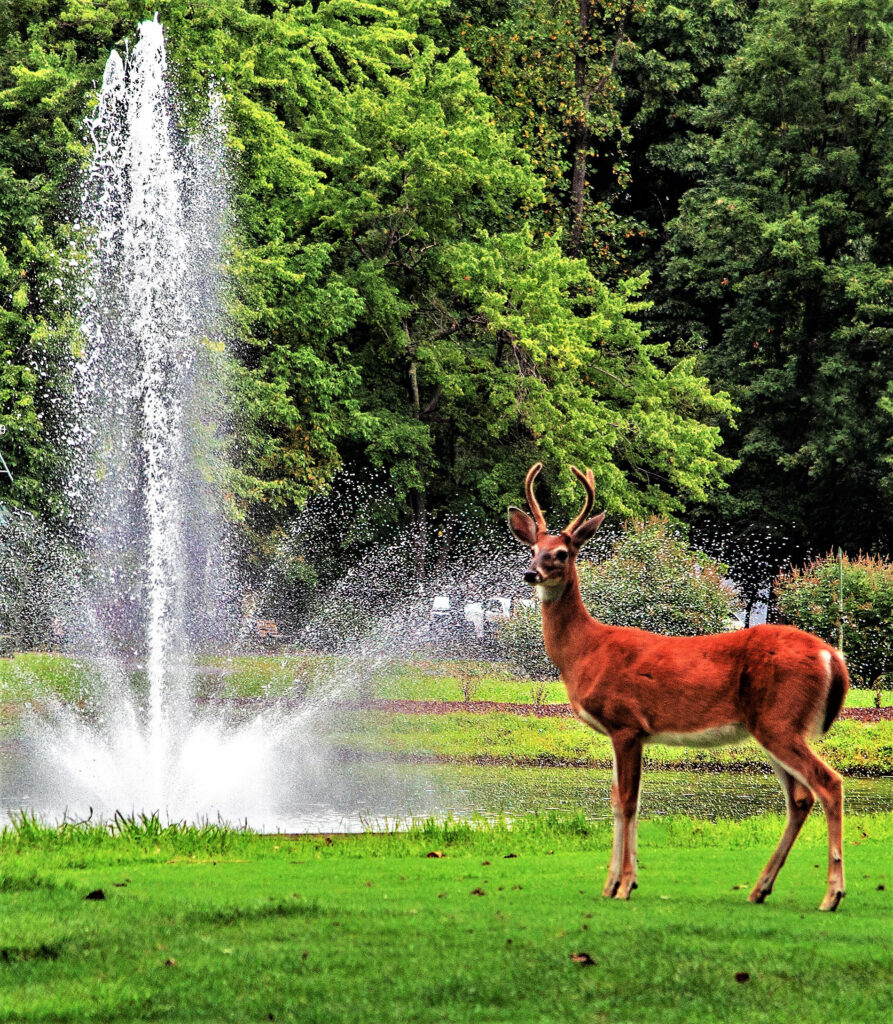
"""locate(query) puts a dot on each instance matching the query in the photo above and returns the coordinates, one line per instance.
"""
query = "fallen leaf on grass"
(170, 962)
(582, 958)
(478, 892)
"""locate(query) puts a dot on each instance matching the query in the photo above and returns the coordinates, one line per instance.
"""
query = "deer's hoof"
(832, 899)
(611, 887)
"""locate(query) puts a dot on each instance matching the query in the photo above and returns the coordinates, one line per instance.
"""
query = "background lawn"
(32, 675)
(230, 927)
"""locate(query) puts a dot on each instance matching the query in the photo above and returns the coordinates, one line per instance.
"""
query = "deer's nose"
(531, 577)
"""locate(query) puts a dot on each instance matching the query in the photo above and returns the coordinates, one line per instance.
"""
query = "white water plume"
(151, 608)
(147, 397)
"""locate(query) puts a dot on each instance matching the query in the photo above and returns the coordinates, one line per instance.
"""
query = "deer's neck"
(567, 627)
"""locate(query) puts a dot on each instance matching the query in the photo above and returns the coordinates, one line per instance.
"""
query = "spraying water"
(149, 588)
(144, 314)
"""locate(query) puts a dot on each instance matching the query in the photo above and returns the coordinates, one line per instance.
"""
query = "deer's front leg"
(621, 878)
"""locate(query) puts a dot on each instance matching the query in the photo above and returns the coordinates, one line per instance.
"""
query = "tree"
(780, 268)
(674, 56)
(849, 601)
(552, 71)
(392, 304)
(478, 347)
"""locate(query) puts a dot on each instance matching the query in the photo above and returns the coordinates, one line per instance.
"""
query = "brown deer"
(776, 683)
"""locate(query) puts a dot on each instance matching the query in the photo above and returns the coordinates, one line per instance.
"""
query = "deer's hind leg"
(799, 800)
(799, 761)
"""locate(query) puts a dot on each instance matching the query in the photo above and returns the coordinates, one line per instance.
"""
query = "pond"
(330, 794)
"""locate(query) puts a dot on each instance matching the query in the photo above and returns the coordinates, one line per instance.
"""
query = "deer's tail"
(837, 689)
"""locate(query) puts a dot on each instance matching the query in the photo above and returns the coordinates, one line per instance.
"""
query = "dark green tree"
(393, 300)
(780, 268)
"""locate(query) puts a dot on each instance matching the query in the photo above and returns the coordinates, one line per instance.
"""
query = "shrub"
(855, 594)
(652, 579)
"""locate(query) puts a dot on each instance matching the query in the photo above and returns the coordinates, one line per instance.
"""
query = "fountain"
(145, 444)
(149, 586)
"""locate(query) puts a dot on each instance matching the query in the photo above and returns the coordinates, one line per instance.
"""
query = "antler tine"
(588, 482)
(538, 516)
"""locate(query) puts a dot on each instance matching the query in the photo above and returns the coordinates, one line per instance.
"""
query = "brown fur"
(778, 683)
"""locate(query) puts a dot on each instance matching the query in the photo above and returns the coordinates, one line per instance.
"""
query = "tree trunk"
(417, 495)
(581, 130)
(582, 135)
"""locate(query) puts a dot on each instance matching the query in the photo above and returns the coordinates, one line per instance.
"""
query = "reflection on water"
(350, 796)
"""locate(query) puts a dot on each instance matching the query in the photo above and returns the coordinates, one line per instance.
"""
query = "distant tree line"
(648, 237)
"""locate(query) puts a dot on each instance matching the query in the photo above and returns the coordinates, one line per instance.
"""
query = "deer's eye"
(561, 556)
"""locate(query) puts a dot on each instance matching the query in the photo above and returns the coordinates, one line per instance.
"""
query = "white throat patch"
(547, 593)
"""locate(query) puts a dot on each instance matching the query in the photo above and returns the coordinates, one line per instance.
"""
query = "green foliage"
(652, 579)
(780, 266)
(557, 94)
(674, 55)
(852, 597)
(393, 304)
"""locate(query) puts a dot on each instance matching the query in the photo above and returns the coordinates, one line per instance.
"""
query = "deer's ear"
(522, 526)
(586, 531)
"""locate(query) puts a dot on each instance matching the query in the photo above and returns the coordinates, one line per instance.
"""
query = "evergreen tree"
(780, 268)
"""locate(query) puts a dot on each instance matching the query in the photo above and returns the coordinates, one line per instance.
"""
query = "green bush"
(652, 579)
(853, 597)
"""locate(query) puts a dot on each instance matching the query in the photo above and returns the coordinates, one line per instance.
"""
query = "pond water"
(329, 794)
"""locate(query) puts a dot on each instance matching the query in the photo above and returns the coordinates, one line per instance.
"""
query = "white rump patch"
(826, 659)
(718, 736)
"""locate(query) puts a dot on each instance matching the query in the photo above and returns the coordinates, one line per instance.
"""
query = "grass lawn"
(30, 675)
(507, 738)
(217, 926)
(504, 738)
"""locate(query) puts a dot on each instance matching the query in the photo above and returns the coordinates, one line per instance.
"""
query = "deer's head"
(552, 565)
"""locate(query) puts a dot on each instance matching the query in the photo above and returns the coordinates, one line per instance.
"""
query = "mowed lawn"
(218, 926)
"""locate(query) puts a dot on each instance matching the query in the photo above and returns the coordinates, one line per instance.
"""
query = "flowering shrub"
(652, 579)
(849, 596)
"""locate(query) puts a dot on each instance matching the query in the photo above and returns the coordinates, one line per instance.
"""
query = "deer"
(778, 684)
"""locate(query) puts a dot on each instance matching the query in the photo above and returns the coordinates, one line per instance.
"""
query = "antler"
(588, 482)
(538, 516)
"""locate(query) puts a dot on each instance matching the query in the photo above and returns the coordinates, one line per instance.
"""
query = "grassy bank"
(504, 738)
(228, 927)
(33, 676)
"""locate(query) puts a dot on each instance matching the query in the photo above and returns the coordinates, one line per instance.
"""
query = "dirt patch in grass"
(481, 707)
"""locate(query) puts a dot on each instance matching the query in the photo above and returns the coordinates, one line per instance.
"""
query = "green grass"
(503, 738)
(30, 676)
(507, 738)
(220, 926)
